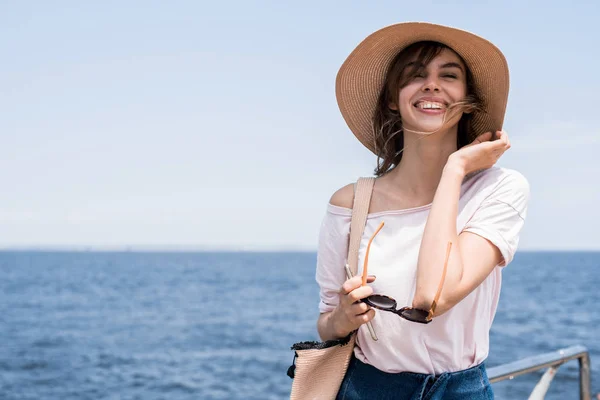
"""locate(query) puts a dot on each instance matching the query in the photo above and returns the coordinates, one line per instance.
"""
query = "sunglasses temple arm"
(439, 291)
(366, 262)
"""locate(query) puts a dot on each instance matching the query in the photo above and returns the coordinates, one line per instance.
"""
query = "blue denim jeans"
(363, 381)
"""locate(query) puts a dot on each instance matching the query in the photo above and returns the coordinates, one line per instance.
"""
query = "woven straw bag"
(319, 367)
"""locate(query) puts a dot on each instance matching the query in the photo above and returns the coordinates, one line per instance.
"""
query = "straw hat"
(362, 76)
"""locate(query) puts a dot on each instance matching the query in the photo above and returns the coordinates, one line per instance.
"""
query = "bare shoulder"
(344, 197)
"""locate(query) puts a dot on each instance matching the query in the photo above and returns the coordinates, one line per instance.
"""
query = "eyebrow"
(452, 65)
(447, 65)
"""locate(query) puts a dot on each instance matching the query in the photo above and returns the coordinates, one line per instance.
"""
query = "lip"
(431, 111)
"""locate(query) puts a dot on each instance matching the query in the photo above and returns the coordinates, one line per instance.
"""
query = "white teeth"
(430, 105)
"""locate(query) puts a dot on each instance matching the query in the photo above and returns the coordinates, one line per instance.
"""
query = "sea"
(150, 325)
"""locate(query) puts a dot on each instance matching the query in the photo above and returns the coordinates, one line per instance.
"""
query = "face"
(424, 100)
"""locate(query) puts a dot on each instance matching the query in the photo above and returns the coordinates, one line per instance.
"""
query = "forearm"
(439, 230)
(326, 327)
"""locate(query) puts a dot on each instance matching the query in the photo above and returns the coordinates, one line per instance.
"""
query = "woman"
(429, 101)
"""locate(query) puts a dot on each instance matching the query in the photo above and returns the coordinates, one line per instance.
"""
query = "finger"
(484, 137)
(359, 308)
(351, 284)
(501, 142)
(360, 293)
(355, 282)
(364, 318)
(507, 140)
(503, 135)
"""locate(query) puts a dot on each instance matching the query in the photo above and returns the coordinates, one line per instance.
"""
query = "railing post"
(584, 377)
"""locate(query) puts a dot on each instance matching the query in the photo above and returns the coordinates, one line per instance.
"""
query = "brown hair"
(387, 124)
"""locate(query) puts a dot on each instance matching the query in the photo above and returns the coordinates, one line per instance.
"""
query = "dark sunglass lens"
(379, 301)
(415, 315)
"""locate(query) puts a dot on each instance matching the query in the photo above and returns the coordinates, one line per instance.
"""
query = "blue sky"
(214, 125)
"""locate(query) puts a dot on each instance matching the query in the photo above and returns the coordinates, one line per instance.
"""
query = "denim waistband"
(364, 378)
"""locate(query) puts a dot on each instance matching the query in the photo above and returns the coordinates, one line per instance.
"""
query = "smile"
(430, 105)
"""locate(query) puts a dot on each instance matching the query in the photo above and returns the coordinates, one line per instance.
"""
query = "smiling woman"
(429, 102)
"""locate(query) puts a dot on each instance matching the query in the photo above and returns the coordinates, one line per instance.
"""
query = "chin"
(427, 127)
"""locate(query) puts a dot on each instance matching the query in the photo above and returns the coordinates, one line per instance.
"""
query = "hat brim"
(362, 76)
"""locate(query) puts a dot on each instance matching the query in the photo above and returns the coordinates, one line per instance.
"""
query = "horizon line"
(213, 249)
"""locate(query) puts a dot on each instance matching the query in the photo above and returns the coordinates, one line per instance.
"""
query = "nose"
(430, 86)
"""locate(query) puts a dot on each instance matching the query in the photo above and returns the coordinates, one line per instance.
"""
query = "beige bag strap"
(363, 190)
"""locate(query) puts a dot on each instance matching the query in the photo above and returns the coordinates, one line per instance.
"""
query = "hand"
(482, 153)
(350, 313)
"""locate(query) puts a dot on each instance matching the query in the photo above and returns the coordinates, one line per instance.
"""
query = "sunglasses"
(386, 303)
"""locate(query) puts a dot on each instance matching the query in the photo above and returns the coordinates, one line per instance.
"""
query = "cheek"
(404, 98)
(459, 91)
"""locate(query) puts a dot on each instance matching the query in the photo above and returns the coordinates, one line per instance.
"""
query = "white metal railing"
(552, 361)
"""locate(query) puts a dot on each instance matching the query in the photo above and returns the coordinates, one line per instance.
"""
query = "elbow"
(422, 302)
(442, 308)
(425, 303)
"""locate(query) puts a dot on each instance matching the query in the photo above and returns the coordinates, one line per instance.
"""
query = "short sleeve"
(331, 255)
(501, 216)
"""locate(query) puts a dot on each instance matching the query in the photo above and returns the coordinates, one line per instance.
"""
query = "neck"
(422, 164)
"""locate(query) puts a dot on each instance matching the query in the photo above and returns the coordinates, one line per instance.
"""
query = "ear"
(392, 106)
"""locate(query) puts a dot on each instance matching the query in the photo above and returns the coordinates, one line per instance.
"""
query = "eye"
(450, 76)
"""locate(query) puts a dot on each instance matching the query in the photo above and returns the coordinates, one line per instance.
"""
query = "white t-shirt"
(493, 204)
